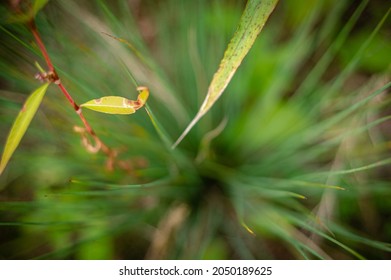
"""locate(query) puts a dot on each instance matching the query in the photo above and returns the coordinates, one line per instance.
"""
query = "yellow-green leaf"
(117, 104)
(37, 5)
(251, 23)
(111, 105)
(21, 124)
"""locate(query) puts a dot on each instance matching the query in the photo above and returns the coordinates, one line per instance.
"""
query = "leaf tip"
(247, 228)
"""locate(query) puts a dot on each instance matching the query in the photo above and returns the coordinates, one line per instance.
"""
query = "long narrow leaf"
(21, 124)
(251, 23)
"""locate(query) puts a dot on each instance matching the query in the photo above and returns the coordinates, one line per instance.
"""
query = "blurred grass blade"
(38, 5)
(30, 14)
(251, 23)
(159, 128)
(313, 78)
(132, 48)
(118, 105)
(349, 234)
(21, 124)
(325, 174)
(110, 186)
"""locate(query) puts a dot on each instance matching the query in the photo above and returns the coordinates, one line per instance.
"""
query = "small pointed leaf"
(118, 105)
(21, 124)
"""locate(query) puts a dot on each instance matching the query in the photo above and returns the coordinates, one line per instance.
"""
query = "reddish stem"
(41, 45)
(53, 77)
(86, 124)
(67, 95)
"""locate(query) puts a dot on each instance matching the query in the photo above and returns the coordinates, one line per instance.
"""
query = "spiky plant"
(291, 162)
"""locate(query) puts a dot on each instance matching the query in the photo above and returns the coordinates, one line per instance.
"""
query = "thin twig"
(52, 76)
(41, 45)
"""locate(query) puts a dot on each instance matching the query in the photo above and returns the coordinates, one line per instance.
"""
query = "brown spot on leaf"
(132, 104)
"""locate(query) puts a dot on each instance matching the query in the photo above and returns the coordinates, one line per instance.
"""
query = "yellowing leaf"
(21, 124)
(251, 23)
(117, 104)
(110, 105)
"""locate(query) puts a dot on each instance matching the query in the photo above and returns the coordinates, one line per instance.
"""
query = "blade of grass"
(288, 148)
(304, 225)
(357, 169)
(313, 78)
(336, 84)
(158, 127)
(251, 23)
(156, 124)
(231, 176)
(349, 234)
(110, 186)
(132, 48)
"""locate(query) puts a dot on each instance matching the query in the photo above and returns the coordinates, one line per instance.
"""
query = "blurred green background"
(293, 162)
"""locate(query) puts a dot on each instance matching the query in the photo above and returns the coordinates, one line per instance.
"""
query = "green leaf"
(117, 104)
(38, 5)
(111, 105)
(30, 14)
(251, 23)
(21, 124)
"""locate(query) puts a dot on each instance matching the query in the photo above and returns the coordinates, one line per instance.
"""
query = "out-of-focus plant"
(278, 168)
